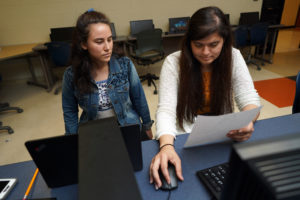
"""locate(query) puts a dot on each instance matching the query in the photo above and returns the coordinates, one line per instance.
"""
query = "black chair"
(6, 107)
(241, 36)
(296, 104)
(249, 36)
(148, 50)
(242, 41)
(249, 18)
(258, 38)
(59, 53)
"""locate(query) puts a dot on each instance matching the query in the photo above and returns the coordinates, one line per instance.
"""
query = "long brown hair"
(81, 61)
(203, 23)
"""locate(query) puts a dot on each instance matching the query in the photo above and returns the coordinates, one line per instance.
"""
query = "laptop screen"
(178, 25)
(105, 171)
(57, 157)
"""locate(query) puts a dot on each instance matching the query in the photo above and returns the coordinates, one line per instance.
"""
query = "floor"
(42, 116)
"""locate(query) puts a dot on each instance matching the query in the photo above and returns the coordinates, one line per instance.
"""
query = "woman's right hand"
(160, 162)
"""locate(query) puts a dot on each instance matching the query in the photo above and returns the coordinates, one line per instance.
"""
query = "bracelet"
(165, 145)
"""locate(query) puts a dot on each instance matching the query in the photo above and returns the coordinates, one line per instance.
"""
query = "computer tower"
(264, 170)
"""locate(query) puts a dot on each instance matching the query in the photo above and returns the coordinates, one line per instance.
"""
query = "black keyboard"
(213, 178)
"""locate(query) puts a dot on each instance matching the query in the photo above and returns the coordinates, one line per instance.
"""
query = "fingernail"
(156, 187)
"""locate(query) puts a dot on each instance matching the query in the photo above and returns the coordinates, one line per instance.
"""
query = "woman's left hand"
(149, 134)
(242, 134)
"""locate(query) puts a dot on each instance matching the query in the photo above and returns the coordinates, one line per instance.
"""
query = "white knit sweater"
(166, 122)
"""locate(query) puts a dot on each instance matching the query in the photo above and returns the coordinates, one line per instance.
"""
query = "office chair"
(241, 36)
(59, 53)
(148, 50)
(242, 41)
(258, 38)
(296, 104)
(6, 107)
(248, 36)
(249, 18)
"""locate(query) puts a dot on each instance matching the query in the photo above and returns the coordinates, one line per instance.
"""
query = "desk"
(23, 50)
(193, 159)
(41, 49)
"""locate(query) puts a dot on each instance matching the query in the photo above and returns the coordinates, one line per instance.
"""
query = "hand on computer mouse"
(166, 155)
(173, 179)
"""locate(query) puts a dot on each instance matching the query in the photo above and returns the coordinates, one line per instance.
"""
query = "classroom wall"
(29, 21)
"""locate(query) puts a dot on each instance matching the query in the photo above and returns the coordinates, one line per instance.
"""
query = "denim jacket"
(125, 92)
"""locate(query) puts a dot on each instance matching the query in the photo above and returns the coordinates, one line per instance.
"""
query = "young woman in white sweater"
(203, 78)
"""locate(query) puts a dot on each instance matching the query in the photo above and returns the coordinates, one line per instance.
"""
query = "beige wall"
(290, 11)
(29, 21)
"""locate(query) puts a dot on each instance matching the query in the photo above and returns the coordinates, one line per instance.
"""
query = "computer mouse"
(173, 177)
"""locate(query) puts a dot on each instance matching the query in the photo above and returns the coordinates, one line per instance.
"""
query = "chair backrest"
(149, 40)
(241, 36)
(59, 52)
(258, 33)
(296, 105)
(249, 18)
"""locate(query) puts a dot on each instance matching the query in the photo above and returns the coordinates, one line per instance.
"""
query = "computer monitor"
(63, 34)
(267, 169)
(227, 17)
(249, 18)
(113, 30)
(140, 25)
(178, 25)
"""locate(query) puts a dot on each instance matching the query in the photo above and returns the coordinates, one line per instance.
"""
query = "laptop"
(105, 171)
(57, 157)
(178, 25)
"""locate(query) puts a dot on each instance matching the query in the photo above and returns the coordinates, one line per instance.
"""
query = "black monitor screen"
(227, 17)
(249, 18)
(140, 25)
(63, 34)
(113, 30)
(178, 25)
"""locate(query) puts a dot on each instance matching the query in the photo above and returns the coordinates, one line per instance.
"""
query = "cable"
(169, 195)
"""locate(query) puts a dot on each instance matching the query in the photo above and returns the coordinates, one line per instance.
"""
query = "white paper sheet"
(211, 129)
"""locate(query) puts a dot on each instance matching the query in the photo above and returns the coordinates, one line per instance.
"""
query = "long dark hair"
(203, 23)
(81, 61)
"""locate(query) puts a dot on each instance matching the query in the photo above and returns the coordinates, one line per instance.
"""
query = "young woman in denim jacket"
(101, 83)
